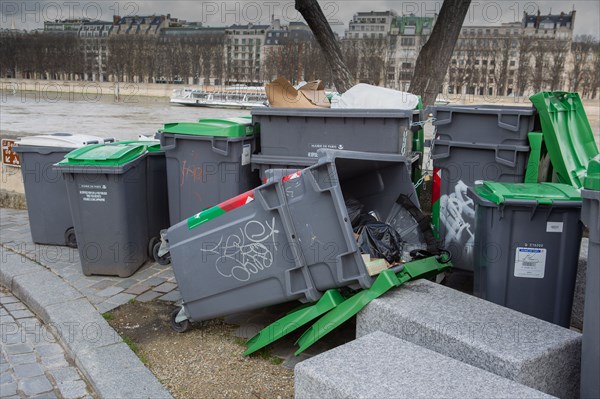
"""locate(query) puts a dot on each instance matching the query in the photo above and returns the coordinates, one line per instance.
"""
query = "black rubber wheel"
(70, 238)
(161, 260)
(151, 244)
(181, 326)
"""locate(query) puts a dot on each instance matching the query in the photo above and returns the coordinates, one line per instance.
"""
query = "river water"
(26, 113)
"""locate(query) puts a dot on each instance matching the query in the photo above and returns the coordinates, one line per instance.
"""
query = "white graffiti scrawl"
(246, 253)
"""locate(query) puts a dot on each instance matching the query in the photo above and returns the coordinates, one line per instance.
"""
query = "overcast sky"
(30, 14)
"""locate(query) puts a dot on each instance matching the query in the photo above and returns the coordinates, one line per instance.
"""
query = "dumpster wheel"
(181, 326)
(70, 238)
(151, 245)
(161, 260)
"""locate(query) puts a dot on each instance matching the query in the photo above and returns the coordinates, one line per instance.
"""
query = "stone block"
(508, 343)
(379, 365)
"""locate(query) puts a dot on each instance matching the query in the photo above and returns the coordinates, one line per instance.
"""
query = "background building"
(243, 51)
(380, 47)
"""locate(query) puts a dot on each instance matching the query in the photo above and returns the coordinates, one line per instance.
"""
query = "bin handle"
(506, 161)
(164, 142)
(218, 150)
(438, 120)
(508, 126)
(48, 150)
(440, 154)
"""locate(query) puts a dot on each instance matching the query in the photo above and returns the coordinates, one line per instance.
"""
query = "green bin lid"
(542, 193)
(114, 154)
(592, 178)
(211, 127)
(152, 145)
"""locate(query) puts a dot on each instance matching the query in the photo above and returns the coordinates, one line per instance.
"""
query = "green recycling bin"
(590, 347)
(527, 239)
(208, 162)
(109, 198)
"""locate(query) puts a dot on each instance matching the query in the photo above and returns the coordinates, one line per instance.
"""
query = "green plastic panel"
(567, 134)
(387, 279)
(114, 154)
(542, 193)
(293, 321)
(533, 165)
(234, 127)
(592, 178)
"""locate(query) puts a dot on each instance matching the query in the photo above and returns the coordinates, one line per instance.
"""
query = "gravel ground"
(204, 362)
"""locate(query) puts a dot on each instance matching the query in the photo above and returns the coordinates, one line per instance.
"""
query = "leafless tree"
(595, 76)
(580, 50)
(541, 50)
(372, 60)
(524, 69)
(558, 51)
(501, 61)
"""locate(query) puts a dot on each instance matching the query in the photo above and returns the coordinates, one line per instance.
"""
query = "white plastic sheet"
(367, 96)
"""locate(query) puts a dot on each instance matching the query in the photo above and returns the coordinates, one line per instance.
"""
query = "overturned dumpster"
(289, 239)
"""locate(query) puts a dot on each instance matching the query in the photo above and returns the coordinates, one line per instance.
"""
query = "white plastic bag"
(367, 96)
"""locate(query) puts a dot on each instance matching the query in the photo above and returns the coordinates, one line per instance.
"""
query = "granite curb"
(106, 361)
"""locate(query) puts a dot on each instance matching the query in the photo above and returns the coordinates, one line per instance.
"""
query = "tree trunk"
(312, 13)
(435, 56)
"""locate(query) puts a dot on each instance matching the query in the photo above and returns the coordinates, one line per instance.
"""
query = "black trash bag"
(354, 208)
(380, 240)
(364, 220)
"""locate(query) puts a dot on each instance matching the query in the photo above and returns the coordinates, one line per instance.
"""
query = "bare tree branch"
(435, 56)
(312, 13)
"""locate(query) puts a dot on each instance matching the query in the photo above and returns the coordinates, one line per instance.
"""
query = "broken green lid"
(542, 193)
(114, 154)
(233, 127)
(592, 178)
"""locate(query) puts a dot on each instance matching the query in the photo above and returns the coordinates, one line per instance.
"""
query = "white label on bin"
(313, 147)
(554, 227)
(93, 192)
(530, 262)
(246, 150)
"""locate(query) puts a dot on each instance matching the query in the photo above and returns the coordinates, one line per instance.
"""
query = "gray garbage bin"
(47, 201)
(484, 124)
(527, 239)
(590, 347)
(291, 137)
(473, 142)
(207, 162)
(300, 132)
(288, 239)
(158, 198)
(456, 166)
(108, 196)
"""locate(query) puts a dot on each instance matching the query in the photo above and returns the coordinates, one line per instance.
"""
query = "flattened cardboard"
(281, 93)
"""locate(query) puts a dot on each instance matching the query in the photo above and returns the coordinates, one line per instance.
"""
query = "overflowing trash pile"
(315, 199)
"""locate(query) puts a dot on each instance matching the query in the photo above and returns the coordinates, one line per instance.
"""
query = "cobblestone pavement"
(32, 363)
(151, 281)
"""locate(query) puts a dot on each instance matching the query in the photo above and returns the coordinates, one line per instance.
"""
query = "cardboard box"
(281, 93)
(375, 266)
